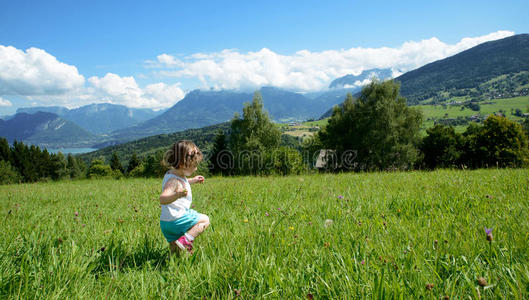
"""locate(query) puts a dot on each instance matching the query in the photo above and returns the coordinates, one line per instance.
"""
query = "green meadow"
(432, 113)
(339, 236)
(488, 107)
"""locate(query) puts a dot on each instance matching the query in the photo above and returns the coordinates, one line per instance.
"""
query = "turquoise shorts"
(173, 230)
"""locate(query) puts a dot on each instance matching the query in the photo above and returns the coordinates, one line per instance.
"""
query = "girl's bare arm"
(173, 190)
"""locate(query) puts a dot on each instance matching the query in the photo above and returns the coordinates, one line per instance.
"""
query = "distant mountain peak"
(351, 80)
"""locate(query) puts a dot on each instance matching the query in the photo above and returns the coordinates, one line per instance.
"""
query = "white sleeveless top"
(177, 208)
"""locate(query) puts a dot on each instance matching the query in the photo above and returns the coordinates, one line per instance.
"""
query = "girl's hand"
(181, 193)
(180, 190)
(173, 189)
(198, 179)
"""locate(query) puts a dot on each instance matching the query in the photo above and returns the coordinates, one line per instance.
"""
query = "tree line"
(24, 163)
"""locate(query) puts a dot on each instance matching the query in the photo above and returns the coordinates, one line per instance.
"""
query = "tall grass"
(391, 235)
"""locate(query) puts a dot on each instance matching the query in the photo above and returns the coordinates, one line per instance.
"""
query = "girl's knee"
(205, 220)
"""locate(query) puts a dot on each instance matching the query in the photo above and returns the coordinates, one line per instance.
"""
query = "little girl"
(181, 225)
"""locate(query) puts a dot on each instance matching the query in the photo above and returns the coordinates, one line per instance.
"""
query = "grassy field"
(377, 235)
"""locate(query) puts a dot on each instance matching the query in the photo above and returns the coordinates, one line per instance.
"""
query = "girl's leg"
(173, 248)
(199, 227)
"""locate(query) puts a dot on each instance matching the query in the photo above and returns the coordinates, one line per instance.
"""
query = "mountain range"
(492, 69)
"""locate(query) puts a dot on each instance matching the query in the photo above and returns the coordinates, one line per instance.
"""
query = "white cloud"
(5, 102)
(35, 72)
(39, 77)
(124, 90)
(305, 70)
(169, 60)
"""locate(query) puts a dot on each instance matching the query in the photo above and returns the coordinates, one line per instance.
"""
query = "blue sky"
(150, 54)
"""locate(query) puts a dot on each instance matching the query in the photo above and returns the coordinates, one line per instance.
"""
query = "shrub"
(138, 171)
(99, 169)
(285, 161)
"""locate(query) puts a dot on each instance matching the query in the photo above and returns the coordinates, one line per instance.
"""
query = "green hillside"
(456, 113)
(459, 115)
(149, 145)
(202, 137)
(472, 73)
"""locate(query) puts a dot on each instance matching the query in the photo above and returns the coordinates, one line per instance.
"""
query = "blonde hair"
(183, 153)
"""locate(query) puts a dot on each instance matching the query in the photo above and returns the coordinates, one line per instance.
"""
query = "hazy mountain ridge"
(98, 118)
(45, 129)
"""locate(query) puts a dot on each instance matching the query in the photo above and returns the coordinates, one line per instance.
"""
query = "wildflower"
(76, 214)
(291, 227)
(429, 286)
(482, 281)
(340, 197)
(363, 262)
(328, 222)
(488, 232)
(310, 223)
(310, 296)
(326, 244)
(266, 214)
(245, 220)
(279, 208)
(237, 292)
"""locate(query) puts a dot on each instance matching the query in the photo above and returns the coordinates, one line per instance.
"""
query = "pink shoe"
(184, 244)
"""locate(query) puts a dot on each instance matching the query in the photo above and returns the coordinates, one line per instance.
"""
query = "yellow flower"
(245, 220)
(291, 228)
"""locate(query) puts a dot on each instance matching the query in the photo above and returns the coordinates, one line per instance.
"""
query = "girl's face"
(188, 171)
